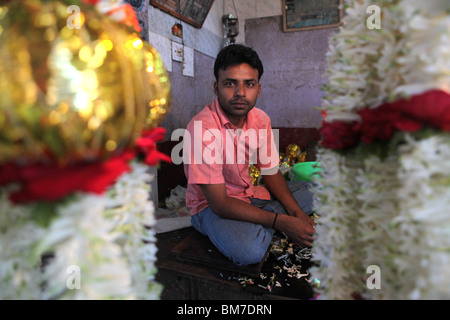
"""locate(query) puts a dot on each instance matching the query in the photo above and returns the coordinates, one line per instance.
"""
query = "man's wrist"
(295, 211)
(274, 220)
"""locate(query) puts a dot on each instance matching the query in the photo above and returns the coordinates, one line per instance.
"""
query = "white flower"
(95, 246)
(391, 211)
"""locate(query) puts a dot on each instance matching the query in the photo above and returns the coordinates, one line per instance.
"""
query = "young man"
(238, 217)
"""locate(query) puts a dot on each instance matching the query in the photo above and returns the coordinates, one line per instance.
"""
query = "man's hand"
(300, 229)
(297, 226)
(302, 215)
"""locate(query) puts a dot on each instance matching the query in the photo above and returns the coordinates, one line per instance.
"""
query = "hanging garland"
(79, 121)
(384, 194)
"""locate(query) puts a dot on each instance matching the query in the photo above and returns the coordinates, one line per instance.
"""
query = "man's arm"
(277, 186)
(232, 208)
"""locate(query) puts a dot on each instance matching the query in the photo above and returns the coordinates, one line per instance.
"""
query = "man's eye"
(229, 84)
(250, 84)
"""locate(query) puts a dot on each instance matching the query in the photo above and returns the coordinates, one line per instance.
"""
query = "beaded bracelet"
(274, 220)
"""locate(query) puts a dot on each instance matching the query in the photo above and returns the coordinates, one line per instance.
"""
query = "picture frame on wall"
(193, 12)
(301, 15)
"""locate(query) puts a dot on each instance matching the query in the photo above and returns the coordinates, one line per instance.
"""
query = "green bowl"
(306, 171)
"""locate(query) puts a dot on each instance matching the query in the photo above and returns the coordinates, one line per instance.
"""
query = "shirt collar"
(225, 122)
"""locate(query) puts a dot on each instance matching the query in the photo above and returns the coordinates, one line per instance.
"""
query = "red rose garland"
(51, 182)
(431, 108)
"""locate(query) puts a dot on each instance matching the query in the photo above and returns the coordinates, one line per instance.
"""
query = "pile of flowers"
(284, 272)
(384, 194)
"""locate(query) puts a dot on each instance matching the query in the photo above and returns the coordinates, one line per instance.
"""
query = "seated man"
(220, 143)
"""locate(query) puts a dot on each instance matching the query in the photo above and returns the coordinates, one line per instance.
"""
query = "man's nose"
(240, 90)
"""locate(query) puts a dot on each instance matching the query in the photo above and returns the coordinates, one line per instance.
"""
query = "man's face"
(238, 89)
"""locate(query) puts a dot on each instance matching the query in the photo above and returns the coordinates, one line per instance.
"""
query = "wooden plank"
(198, 249)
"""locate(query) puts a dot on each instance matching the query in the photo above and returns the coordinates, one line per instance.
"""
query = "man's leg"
(245, 242)
(242, 242)
(301, 191)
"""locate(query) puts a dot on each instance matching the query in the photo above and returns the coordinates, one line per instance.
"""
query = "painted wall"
(209, 39)
(190, 94)
(294, 64)
(249, 9)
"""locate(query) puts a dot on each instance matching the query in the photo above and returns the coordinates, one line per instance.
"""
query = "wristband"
(274, 220)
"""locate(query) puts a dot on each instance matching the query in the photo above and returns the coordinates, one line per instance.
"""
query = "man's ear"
(216, 90)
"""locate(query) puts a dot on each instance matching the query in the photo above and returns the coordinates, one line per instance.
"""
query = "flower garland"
(431, 108)
(82, 229)
(106, 238)
(384, 194)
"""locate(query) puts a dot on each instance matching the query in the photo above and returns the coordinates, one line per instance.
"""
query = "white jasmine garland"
(408, 55)
(81, 236)
(96, 246)
(19, 274)
(426, 62)
(20, 277)
(360, 61)
(425, 201)
(388, 209)
(392, 213)
(134, 219)
(335, 231)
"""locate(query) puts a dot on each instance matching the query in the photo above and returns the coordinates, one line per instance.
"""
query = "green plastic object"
(306, 171)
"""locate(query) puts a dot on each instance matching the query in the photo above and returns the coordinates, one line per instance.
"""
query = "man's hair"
(235, 54)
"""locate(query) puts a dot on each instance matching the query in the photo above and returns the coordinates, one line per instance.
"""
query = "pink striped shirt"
(214, 149)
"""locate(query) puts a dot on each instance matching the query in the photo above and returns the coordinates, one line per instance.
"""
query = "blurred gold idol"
(74, 85)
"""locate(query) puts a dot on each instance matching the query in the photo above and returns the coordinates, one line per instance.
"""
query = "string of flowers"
(423, 217)
(81, 229)
(383, 195)
(106, 238)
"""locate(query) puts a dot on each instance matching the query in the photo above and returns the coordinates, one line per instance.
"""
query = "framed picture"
(193, 12)
(311, 14)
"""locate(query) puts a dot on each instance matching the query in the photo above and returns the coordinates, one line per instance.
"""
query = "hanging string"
(235, 11)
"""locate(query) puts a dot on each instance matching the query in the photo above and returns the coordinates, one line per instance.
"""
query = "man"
(238, 217)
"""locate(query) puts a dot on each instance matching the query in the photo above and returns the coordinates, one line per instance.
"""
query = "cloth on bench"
(176, 215)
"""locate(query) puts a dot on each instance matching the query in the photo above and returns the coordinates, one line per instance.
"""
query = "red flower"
(146, 144)
(50, 182)
(376, 124)
(339, 135)
(131, 19)
(431, 108)
(407, 124)
(91, 2)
